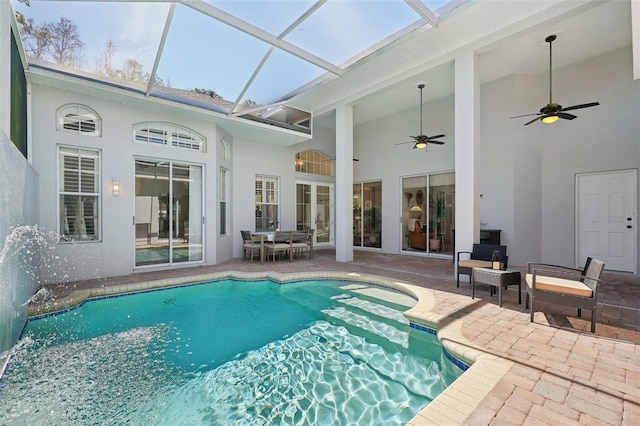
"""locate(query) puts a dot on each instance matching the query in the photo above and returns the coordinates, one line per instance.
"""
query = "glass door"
(428, 213)
(314, 210)
(367, 214)
(168, 213)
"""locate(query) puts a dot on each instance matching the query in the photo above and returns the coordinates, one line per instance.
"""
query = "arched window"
(223, 152)
(168, 134)
(314, 162)
(79, 119)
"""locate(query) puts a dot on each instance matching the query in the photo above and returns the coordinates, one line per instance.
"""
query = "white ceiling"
(585, 29)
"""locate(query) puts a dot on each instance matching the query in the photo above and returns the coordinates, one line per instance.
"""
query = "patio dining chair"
(565, 286)
(251, 244)
(281, 243)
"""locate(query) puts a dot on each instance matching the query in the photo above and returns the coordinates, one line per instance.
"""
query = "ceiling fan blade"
(566, 116)
(437, 142)
(430, 138)
(534, 120)
(402, 143)
(525, 115)
(592, 104)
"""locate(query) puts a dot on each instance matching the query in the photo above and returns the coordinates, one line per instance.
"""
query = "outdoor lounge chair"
(565, 286)
(480, 257)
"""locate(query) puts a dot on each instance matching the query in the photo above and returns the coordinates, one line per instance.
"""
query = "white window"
(168, 134)
(223, 201)
(79, 119)
(223, 152)
(79, 192)
(267, 203)
(314, 162)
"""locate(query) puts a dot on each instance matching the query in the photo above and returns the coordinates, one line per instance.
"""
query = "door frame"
(314, 209)
(632, 212)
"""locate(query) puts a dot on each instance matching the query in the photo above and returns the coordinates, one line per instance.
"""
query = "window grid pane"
(313, 162)
(168, 135)
(79, 195)
(267, 203)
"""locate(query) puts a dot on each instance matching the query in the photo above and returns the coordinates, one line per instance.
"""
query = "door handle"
(629, 226)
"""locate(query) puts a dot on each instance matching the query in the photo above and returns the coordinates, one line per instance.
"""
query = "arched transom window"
(79, 119)
(168, 134)
(314, 162)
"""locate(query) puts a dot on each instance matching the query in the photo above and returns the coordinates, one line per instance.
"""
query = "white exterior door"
(606, 219)
(314, 209)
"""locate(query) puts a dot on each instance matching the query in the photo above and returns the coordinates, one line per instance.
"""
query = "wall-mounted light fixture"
(115, 187)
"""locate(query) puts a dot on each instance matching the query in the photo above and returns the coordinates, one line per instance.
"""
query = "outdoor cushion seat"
(565, 286)
(479, 257)
(472, 263)
(560, 285)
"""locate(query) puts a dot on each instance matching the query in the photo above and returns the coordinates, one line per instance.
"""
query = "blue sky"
(202, 52)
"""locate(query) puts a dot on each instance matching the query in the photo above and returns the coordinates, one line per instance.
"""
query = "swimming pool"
(226, 352)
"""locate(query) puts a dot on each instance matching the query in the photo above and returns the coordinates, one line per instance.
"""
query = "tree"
(37, 39)
(249, 104)
(109, 51)
(65, 43)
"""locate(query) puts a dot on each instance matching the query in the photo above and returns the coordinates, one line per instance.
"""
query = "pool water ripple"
(224, 353)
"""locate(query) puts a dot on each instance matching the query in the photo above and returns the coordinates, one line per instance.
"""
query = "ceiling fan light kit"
(421, 141)
(552, 112)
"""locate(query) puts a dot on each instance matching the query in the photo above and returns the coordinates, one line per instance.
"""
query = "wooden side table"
(496, 278)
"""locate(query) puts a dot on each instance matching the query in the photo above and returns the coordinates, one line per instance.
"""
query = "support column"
(467, 130)
(344, 184)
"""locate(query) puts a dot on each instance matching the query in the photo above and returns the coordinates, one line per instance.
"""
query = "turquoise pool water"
(227, 352)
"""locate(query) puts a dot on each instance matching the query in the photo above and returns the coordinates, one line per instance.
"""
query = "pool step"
(373, 308)
(372, 327)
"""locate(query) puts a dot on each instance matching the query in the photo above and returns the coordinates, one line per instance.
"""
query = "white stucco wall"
(528, 172)
(19, 269)
(114, 254)
(382, 160)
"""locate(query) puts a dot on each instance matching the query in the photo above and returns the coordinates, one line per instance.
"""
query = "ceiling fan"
(551, 112)
(421, 140)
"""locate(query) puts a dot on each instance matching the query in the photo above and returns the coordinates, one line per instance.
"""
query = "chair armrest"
(534, 265)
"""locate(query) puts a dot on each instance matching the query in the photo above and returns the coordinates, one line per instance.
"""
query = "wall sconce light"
(115, 187)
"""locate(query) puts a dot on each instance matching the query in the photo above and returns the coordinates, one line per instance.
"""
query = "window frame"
(261, 206)
(80, 153)
(223, 188)
(80, 111)
(169, 135)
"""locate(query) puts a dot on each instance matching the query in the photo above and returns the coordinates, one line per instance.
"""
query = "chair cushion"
(278, 246)
(559, 285)
(472, 263)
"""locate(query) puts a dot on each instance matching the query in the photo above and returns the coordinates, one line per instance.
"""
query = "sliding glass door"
(168, 213)
(367, 214)
(428, 213)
